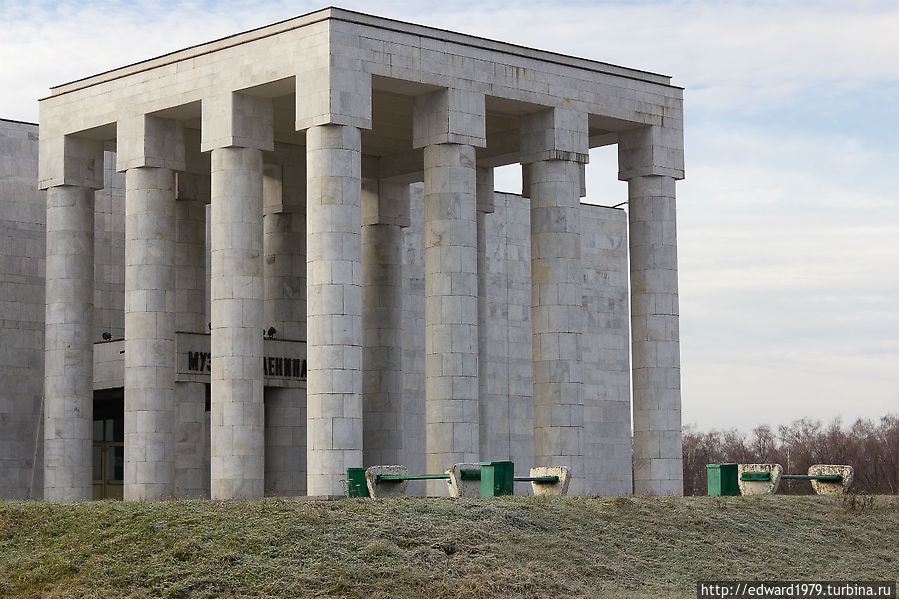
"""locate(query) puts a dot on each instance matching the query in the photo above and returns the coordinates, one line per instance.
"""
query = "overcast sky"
(789, 215)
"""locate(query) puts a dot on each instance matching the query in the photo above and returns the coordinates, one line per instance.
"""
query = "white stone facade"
(440, 323)
(22, 251)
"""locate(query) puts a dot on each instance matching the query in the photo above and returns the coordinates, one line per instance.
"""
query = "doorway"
(109, 443)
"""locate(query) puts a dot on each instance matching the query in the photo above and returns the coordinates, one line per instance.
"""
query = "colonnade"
(351, 298)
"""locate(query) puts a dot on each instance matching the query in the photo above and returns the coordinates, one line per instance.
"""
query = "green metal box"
(497, 478)
(722, 479)
(355, 483)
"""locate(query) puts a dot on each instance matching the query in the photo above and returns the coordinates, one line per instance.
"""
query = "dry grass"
(506, 547)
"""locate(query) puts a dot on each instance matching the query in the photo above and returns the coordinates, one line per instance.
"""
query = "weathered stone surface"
(149, 333)
(826, 487)
(22, 317)
(655, 336)
(385, 489)
(451, 307)
(334, 306)
(559, 488)
(237, 412)
(459, 487)
(759, 487)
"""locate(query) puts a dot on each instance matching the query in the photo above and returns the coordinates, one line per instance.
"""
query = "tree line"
(871, 448)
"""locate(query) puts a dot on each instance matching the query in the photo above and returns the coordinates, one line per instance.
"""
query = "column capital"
(451, 116)
(149, 141)
(331, 95)
(650, 151)
(234, 119)
(69, 160)
(554, 134)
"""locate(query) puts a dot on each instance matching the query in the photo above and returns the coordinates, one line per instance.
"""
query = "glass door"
(109, 444)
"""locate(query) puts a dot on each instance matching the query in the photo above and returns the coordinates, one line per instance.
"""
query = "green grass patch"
(438, 548)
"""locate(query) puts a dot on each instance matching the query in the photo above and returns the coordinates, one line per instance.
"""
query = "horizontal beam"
(762, 476)
(540, 480)
(387, 478)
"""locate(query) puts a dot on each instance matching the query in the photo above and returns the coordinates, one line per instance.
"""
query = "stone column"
(655, 349)
(449, 124)
(489, 436)
(334, 306)
(149, 333)
(191, 316)
(658, 462)
(385, 212)
(237, 416)
(71, 170)
(451, 306)
(149, 148)
(554, 145)
(284, 196)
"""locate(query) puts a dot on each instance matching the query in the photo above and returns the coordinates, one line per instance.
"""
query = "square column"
(334, 306)
(236, 128)
(554, 147)
(77, 167)
(650, 159)
(385, 212)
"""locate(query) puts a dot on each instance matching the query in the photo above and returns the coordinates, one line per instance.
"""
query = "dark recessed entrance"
(109, 443)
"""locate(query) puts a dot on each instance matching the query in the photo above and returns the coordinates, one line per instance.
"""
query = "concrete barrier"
(484, 479)
(464, 484)
(759, 479)
(831, 487)
(379, 487)
(560, 487)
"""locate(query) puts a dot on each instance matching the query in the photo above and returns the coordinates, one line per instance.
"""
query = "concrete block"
(826, 487)
(461, 487)
(559, 488)
(763, 487)
(385, 488)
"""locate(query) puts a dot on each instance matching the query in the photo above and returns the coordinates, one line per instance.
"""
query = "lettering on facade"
(278, 367)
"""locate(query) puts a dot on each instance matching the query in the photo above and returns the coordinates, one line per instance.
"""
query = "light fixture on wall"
(271, 332)
(107, 336)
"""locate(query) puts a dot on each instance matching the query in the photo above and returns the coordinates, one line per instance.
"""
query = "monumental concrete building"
(240, 268)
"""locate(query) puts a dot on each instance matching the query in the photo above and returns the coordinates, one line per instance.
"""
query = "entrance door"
(109, 443)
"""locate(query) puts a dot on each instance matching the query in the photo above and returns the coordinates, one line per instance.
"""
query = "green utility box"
(497, 478)
(722, 479)
(355, 483)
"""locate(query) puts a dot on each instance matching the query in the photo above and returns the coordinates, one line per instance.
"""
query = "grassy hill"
(505, 547)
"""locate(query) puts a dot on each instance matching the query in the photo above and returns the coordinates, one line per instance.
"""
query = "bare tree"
(871, 448)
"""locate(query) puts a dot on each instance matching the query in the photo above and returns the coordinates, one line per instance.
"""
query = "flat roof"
(361, 19)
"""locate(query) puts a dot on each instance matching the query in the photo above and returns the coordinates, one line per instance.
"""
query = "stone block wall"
(509, 409)
(22, 251)
(607, 396)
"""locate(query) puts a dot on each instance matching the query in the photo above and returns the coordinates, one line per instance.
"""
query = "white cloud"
(788, 250)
